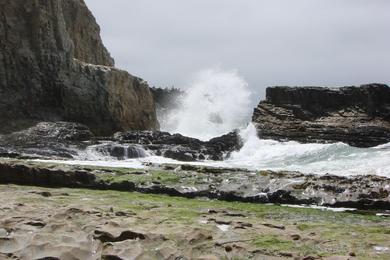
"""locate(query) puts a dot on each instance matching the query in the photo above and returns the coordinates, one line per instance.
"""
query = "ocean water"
(219, 101)
(256, 154)
(335, 158)
(216, 102)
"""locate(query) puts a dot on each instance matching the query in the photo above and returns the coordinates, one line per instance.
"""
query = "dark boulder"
(359, 116)
(63, 140)
(46, 139)
(25, 174)
(182, 148)
(120, 151)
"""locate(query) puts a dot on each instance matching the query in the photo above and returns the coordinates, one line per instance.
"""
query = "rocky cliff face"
(53, 66)
(359, 116)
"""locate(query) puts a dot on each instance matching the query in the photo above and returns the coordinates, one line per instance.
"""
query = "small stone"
(352, 254)
(228, 249)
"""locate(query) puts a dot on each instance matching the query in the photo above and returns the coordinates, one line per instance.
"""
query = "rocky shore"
(361, 192)
(359, 116)
(43, 223)
(62, 99)
(64, 140)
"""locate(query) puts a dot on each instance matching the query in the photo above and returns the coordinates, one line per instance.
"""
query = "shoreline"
(191, 181)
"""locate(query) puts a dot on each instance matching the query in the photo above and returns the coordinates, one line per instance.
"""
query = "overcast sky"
(273, 42)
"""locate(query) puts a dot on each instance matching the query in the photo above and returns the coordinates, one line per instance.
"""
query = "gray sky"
(273, 42)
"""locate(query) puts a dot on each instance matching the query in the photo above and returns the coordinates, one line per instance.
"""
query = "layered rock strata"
(54, 66)
(359, 116)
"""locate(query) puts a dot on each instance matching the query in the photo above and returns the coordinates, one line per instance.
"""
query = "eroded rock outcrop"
(63, 140)
(53, 66)
(359, 116)
(182, 148)
(47, 140)
(362, 192)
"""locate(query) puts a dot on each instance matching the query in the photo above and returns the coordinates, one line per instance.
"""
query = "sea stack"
(54, 67)
(358, 116)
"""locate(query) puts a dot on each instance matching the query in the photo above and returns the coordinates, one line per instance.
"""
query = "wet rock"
(360, 192)
(5, 153)
(228, 142)
(66, 140)
(121, 151)
(182, 148)
(47, 139)
(24, 174)
(359, 116)
(180, 154)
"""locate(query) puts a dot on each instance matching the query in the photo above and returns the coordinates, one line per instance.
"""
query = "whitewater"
(218, 102)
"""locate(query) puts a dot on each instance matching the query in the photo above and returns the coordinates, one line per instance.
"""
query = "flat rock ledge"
(360, 192)
(358, 116)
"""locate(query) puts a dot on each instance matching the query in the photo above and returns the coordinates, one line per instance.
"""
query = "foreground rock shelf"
(361, 192)
(44, 223)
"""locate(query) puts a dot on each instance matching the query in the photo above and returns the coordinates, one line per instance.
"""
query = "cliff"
(54, 66)
(359, 116)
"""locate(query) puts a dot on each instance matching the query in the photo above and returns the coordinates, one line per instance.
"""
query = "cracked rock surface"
(42, 223)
